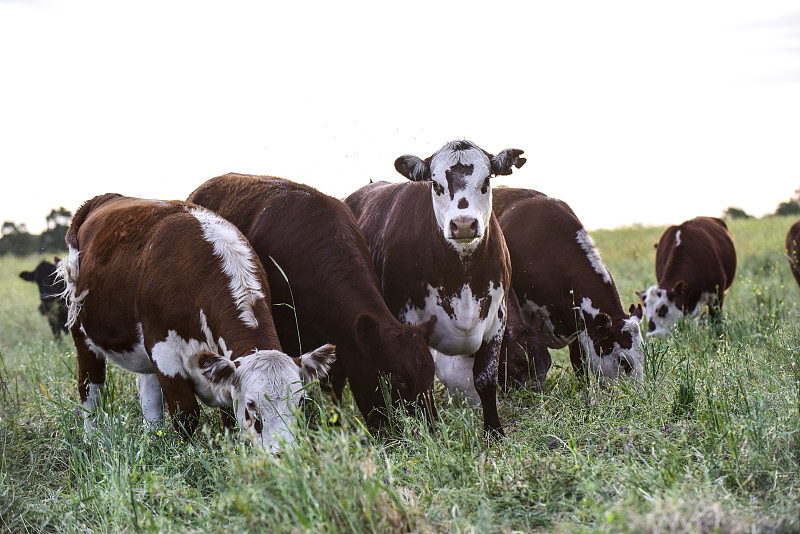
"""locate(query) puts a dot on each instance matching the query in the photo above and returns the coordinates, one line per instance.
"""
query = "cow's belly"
(463, 321)
(134, 360)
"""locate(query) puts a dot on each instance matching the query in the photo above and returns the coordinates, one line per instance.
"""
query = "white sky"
(630, 111)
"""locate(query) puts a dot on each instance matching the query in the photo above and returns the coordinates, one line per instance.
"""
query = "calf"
(560, 279)
(695, 267)
(438, 252)
(50, 290)
(174, 293)
(524, 358)
(791, 250)
(317, 261)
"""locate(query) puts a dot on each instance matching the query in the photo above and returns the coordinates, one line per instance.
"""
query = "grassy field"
(709, 443)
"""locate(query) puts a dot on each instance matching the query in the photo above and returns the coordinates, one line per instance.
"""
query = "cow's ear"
(368, 334)
(602, 325)
(56, 259)
(318, 362)
(503, 163)
(413, 168)
(636, 311)
(641, 294)
(427, 329)
(216, 368)
(26, 275)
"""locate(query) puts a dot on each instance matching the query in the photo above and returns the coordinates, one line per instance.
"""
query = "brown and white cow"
(695, 267)
(313, 240)
(174, 293)
(792, 250)
(50, 290)
(559, 276)
(438, 252)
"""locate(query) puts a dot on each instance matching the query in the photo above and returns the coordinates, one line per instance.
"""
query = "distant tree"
(52, 239)
(16, 240)
(735, 213)
(59, 217)
(790, 207)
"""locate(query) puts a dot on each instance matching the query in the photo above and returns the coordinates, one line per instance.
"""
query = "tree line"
(18, 241)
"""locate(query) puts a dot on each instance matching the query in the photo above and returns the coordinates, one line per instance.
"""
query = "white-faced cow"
(558, 275)
(695, 267)
(438, 252)
(174, 293)
(793, 250)
(313, 240)
(50, 291)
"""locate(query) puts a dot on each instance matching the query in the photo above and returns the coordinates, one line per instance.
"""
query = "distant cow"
(439, 252)
(695, 267)
(792, 248)
(50, 291)
(174, 293)
(313, 240)
(560, 279)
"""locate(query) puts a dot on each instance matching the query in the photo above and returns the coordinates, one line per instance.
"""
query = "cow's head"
(50, 290)
(460, 174)
(663, 307)
(401, 352)
(614, 346)
(266, 388)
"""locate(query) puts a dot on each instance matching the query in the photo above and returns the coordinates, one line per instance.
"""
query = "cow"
(50, 290)
(438, 252)
(174, 293)
(695, 267)
(561, 280)
(318, 264)
(791, 250)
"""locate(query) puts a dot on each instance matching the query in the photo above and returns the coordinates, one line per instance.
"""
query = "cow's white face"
(267, 388)
(461, 191)
(661, 310)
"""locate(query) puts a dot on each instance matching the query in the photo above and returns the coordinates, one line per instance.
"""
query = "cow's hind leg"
(91, 378)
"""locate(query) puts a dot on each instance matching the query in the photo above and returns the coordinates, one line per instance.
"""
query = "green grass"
(709, 443)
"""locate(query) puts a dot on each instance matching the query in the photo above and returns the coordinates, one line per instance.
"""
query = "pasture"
(709, 443)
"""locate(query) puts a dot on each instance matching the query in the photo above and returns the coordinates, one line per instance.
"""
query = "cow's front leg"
(151, 398)
(181, 402)
(484, 372)
(577, 358)
(91, 378)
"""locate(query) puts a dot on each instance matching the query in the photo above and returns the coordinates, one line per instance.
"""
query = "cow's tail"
(67, 269)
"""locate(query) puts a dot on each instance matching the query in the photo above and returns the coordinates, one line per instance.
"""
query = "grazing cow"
(792, 239)
(438, 252)
(174, 293)
(558, 275)
(313, 240)
(695, 267)
(524, 358)
(50, 290)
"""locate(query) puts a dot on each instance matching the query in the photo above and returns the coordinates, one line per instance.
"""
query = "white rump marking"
(592, 254)
(67, 270)
(237, 262)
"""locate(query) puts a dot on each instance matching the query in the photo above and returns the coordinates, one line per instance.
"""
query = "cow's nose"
(651, 325)
(464, 228)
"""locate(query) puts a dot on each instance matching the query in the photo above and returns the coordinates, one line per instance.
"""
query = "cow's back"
(700, 250)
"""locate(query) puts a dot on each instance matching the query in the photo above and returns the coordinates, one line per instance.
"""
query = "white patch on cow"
(678, 238)
(150, 397)
(455, 372)
(621, 363)
(135, 360)
(463, 330)
(91, 404)
(67, 270)
(593, 255)
(660, 311)
(480, 204)
(237, 262)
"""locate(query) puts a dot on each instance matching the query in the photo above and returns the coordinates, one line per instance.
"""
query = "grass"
(709, 443)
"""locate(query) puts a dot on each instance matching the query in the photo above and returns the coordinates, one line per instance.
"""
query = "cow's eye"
(251, 405)
(485, 186)
(437, 187)
(661, 311)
